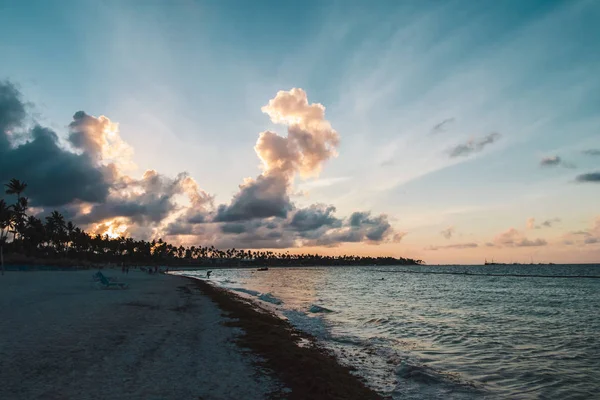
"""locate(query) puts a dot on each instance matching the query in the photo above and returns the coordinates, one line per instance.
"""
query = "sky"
(448, 131)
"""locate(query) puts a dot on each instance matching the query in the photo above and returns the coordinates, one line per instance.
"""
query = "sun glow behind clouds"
(112, 228)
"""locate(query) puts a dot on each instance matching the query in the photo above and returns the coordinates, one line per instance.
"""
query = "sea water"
(447, 332)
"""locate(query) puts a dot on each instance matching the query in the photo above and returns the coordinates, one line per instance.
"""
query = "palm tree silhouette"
(6, 223)
(15, 186)
(62, 240)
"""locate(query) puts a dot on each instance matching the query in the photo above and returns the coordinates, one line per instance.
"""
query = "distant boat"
(263, 269)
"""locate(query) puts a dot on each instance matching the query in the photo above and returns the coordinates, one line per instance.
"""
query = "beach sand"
(166, 337)
(60, 338)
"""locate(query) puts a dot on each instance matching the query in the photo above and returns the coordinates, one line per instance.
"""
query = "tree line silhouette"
(29, 239)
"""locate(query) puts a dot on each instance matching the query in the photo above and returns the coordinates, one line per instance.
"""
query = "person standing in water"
(208, 274)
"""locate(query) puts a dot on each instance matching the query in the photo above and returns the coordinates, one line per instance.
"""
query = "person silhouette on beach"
(208, 274)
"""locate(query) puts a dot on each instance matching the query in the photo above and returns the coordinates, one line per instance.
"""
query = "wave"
(247, 291)
(269, 298)
(378, 321)
(312, 324)
(315, 309)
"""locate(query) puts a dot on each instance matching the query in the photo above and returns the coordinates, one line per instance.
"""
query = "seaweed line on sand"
(310, 371)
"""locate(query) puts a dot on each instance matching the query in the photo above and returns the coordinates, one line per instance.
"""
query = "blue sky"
(186, 81)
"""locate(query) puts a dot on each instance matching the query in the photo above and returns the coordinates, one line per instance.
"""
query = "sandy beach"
(166, 337)
(63, 339)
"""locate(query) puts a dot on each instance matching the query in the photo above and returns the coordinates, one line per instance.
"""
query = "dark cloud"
(441, 127)
(591, 240)
(313, 225)
(592, 152)
(233, 228)
(474, 145)
(358, 217)
(55, 176)
(554, 161)
(448, 232)
(458, 246)
(198, 218)
(314, 217)
(146, 201)
(12, 111)
(549, 222)
(589, 177)
(359, 227)
(261, 198)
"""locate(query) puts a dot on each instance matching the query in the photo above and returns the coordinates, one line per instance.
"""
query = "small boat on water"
(263, 269)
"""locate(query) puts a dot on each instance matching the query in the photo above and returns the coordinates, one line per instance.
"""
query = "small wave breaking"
(315, 309)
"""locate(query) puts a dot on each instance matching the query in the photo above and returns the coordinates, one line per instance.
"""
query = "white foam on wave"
(242, 290)
(269, 298)
(315, 309)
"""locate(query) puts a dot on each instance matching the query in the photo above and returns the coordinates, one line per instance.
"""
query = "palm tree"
(56, 228)
(6, 223)
(20, 217)
(15, 186)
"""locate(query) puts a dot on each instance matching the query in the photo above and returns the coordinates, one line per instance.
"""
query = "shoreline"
(309, 370)
(164, 337)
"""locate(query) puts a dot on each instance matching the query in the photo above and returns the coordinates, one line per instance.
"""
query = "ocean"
(446, 332)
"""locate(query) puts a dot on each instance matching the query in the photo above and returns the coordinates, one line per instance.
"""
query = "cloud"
(550, 161)
(12, 112)
(359, 227)
(474, 145)
(545, 224)
(147, 200)
(589, 177)
(310, 142)
(592, 152)
(458, 246)
(549, 222)
(55, 176)
(582, 233)
(587, 236)
(554, 161)
(100, 139)
(89, 184)
(448, 232)
(265, 197)
(514, 238)
(87, 177)
(441, 127)
(397, 238)
(314, 217)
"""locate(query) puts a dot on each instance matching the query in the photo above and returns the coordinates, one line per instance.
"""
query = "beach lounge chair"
(105, 283)
(96, 277)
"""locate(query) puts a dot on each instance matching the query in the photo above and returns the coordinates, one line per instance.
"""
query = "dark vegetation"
(28, 239)
(309, 371)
